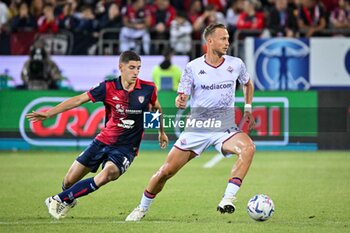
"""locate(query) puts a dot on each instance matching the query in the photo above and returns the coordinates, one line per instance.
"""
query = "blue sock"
(79, 189)
(63, 187)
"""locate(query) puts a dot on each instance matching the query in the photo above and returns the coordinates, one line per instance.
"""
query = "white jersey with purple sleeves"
(212, 90)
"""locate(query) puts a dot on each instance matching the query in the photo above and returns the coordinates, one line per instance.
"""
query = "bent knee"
(250, 147)
(248, 151)
(111, 174)
(69, 180)
(67, 183)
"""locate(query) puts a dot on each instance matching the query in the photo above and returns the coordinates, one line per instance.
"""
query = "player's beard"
(220, 53)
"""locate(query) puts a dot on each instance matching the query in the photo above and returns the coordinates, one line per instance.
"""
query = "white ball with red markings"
(260, 207)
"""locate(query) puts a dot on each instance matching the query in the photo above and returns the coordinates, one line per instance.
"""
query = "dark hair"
(181, 14)
(209, 7)
(86, 7)
(209, 30)
(22, 3)
(127, 56)
(48, 4)
(166, 63)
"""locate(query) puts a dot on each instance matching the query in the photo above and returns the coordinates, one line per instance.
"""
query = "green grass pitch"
(311, 192)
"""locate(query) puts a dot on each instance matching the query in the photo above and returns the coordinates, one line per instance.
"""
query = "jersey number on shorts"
(126, 163)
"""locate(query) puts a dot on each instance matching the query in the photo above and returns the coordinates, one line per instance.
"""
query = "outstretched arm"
(62, 107)
(163, 138)
(248, 91)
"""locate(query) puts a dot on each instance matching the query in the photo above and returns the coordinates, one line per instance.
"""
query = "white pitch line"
(26, 223)
(56, 222)
(215, 160)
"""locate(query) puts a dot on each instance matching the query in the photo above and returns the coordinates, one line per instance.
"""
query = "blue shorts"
(98, 153)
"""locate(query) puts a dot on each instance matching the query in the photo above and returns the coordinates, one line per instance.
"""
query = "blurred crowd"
(142, 21)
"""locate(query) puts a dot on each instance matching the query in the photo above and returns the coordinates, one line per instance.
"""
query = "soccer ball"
(260, 207)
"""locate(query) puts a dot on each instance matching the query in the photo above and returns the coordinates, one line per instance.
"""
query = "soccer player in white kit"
(210, 80)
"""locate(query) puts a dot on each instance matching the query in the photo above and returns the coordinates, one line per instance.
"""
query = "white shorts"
(198, 142)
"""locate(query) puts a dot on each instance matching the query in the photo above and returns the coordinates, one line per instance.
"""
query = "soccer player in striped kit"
(210, 80)
(126, 98)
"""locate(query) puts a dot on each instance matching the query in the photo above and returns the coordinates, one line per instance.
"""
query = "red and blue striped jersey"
(124, 111)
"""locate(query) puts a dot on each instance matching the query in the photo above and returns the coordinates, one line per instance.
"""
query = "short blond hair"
(210, 29)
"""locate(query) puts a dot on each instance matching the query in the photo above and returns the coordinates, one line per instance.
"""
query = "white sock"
(231, 190)
(146, 200)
